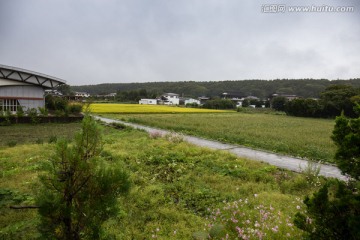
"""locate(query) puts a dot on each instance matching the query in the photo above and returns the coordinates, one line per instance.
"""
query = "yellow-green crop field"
(137, 108)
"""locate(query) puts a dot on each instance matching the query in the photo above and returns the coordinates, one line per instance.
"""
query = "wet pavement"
(281, 161)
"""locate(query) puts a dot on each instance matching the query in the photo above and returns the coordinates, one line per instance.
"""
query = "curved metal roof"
(29, 77)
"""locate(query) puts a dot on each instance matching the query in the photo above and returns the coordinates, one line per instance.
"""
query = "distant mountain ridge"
(259, 88)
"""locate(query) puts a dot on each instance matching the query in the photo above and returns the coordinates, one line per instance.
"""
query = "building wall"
(27, 96)
(191, 100)
(173, 100)
(148, 101)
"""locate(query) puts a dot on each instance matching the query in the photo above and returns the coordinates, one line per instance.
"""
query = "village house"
(165, 99)
(170, 99)
(53, 92)
(82, 94)
(289, 97)
(148, 101)
(203, 100)
(191, 101)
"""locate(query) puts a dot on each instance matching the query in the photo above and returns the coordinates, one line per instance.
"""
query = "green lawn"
(178, 190)
(300, 137)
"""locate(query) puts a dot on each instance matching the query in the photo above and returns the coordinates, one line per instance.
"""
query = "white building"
(53, 92)
(191, 101)
(148, 101)
(82, 94)
(20, 87)
(172, 98)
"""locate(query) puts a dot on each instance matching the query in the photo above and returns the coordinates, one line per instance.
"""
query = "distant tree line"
(317, 98)
(134, 95)
(333, 100)
(306, 88)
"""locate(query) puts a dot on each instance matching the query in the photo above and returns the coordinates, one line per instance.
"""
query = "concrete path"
(286, 162)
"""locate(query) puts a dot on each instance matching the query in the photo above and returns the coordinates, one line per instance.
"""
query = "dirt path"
(291, 163)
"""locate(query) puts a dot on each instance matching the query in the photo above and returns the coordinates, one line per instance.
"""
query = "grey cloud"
(90, 42)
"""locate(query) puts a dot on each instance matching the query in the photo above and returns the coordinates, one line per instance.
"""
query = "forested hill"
(260, 88)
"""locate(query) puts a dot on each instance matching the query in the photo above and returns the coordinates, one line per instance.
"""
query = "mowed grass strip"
(300, 137)
(137, 108)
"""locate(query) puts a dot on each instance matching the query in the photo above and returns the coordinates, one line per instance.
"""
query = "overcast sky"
(121, 41)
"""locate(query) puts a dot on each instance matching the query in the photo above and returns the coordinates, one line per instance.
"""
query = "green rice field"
(300, 137)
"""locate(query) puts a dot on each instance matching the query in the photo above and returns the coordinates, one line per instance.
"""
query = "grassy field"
(301, 137)
(137, 108)
(178, 191)
(27, 133)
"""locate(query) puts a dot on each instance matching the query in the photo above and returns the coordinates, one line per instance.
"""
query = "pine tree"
(346, 136)
(79, 190)
(334, 211)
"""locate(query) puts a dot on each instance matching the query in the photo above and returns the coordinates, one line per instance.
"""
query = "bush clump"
(75, 108)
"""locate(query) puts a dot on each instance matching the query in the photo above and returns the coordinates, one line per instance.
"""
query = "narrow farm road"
(286, 162)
